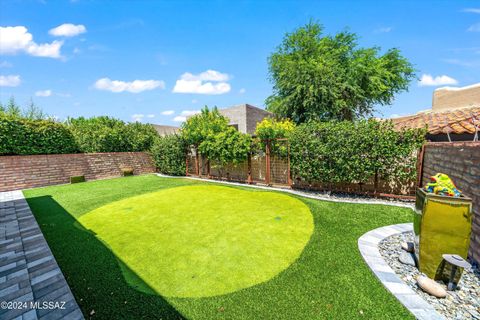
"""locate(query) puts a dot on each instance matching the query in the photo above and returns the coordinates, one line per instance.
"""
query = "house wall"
(21, 172)
(254, 116)
(461, 161)
(451, 98)
(245, 117)
(237, 116)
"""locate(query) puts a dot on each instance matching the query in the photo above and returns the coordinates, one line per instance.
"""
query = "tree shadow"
(95, 275)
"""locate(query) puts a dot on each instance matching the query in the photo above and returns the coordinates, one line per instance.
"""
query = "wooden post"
(249, 169)
(186, 165)
(208, 169)
(197, 164)
(267, 162)
(420, 166)
(289, 178)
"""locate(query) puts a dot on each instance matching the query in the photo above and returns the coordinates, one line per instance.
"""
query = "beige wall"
(452, 98)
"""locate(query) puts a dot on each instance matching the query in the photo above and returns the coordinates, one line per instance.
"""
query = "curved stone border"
(368, 246)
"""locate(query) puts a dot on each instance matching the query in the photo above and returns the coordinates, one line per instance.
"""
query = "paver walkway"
(32, 285)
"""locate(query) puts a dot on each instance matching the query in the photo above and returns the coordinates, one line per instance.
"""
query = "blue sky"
(158, 61)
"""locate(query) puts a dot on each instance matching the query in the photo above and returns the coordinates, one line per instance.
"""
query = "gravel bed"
(463, 303)
(326, 196)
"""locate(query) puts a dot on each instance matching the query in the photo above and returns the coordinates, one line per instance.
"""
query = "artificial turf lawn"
(203, 240)
(328, 280)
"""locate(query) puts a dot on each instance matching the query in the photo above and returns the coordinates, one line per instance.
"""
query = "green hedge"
(105, 134)
(19, 136)
(169, 154)
(354, 152)
(22, 136)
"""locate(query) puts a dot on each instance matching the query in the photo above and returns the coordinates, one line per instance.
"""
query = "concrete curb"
(368, 246)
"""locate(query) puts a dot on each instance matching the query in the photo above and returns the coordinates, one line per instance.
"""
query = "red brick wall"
(20, 172)
(461, 161)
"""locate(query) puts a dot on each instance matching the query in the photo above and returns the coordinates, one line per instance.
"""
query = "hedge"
(169, 154)
(105, 134)
(354, 152)
(20, 136)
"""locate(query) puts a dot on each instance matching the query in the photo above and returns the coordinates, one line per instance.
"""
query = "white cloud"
(135, 86)
(472, 10)
(10, 81)
(43, 93)
(185, 114)
(208, 82)
(242, 91)
(428, 80)
(5, 64)
(474, 28)
(167, 112)
(150, 116)
(179, 118)
(138, 117)
(190, 112)
(17, 39)
(68, 30)
(383, 30)
(194, 101)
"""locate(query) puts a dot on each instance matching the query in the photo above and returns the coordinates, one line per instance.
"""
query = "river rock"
(406, 258)
(431, 287)
(408, 246)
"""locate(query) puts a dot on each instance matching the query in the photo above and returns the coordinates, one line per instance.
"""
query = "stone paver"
(368, 246)
(32, 285)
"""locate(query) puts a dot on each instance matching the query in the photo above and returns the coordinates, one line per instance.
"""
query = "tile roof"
(462, 120)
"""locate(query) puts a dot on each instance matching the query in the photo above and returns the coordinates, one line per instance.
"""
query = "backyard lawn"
(148, 247)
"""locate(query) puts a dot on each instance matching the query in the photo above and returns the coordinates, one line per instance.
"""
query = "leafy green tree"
(199, 127)
(33, 112)
(322, 77)
(13, 109)
(227, 146)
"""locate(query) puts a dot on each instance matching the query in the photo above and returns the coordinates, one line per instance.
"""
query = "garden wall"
(461, 161)
(20, 172)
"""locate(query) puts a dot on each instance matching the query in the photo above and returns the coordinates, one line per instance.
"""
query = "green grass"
(203, 240)
(328, 280)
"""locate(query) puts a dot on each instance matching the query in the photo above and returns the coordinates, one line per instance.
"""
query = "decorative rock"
(408, 246)
(431, 287)
(466, 305)
(406, 258)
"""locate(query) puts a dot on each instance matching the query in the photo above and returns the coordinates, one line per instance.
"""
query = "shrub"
(105, 134)
(169, 154)
(354, 152)
(20, 136)
(228, 146)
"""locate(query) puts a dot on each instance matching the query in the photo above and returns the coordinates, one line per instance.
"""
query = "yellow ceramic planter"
(442, 225)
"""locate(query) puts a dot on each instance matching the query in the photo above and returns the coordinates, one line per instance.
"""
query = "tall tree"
(322, 77)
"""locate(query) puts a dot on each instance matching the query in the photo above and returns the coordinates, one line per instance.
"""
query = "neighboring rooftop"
(455, 115)
(165, 130)
(457, 121)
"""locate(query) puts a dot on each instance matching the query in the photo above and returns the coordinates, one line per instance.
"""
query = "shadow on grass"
(95, 275)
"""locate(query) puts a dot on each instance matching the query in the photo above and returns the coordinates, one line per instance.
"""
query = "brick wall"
(461, 161)
(20, 172)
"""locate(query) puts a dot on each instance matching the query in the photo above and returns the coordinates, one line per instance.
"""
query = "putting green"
(201, 241)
